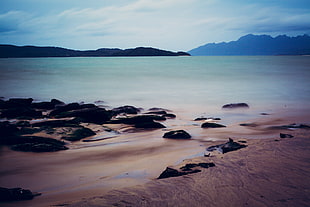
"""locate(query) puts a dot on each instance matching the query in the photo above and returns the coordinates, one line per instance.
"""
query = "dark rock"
(56, 123)
(21, 112)
(36, 144)
(89, 115)
(157, 109)
(170, 172)
(211, 125)
(16, 194)
(178, 134)
(185, 170)
(249, 124)
(149, 125)
(79, 134)
(156, 112)
(235, 105)
(19, 102)
(125, 110)
(286, 135)
(264, 114)
(43, 105)
(137, 119)
(227, 147)
(57, 102)
(169, 116)
(7, 129)
(203, 119)
(291, 126)
(61, 109)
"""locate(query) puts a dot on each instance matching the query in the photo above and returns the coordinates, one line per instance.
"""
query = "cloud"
(168, 24)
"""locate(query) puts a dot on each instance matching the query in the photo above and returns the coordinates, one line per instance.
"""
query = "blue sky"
(166, 24)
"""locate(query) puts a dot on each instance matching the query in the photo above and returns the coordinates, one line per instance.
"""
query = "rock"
(169, 116)
(286, 135)
(79, 134)
(19, 102)
(149, 125)
(170, 172)
(156, 112)
(211, 125)
(56, 123)
(203, 119)
(235, 105)
(178, 134)
(16, 194)
(185, 170)
(61, 109)
(291, 126)
(227, 147)
(88, 115)
(125, 110)
(248, 124)
(137, 119)
(47, 105)
(36, 144)
(21, 112)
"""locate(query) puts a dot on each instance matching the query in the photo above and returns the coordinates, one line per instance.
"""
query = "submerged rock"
(211, 125)
(79, 134)
(185, 170)
(227, 147)
(286, 135)
(16, 194)
(177, 134)
(235, 105)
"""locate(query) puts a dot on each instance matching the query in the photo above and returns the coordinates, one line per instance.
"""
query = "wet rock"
(88, 115)
(20, 113)
(156, 112)
(137, 119)
(16, 194)
(19, 102)
(291, 126)
(235, 106)
(125, 110)
(79, 134)
(36, 144)
(56, 123)
(203, 119)
(227, 147)
(178, 134)
(248, 124)
(61, 109)
(149, 125)
(211, 125)
(47, 105)
(286, 135)
(169, 116)
(185, 170)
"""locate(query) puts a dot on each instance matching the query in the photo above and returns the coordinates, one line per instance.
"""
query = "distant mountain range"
(12, 51)
(257, 45)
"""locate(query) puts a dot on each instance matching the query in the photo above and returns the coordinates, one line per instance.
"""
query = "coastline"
(123, 169)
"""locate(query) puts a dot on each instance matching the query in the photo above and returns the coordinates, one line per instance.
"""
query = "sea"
(192, 86)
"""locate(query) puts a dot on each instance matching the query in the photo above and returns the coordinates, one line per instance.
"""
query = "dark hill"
(258, 45)
(11, 51)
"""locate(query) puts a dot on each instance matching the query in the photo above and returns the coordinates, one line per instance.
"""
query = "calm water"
(187, 83)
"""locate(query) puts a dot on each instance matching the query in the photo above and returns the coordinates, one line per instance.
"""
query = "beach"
(122, 169)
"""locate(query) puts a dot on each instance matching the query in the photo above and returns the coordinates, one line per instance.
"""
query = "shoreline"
(118, 170)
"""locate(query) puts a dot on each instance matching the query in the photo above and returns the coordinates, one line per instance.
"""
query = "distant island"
(257, 45)
(12, 51)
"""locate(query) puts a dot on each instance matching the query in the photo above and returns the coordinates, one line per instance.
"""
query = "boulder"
(61, 109)
(125, 110)
(16, 194)
(88, 115)
(79, 134)
(149, 125)
(227, 147)
(235, 105)
(21, 113)
(211, 125)
(178, 134)
(36, 144)
(137, 119)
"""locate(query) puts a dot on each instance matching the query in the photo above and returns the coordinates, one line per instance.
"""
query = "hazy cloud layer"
(167, 24)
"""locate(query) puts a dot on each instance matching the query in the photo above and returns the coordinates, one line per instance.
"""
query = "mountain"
(12, 51)
(257, 45)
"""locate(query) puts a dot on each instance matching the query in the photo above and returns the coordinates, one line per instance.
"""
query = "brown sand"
(122, 171)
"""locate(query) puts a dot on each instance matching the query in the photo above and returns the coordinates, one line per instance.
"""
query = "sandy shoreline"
(122, 171)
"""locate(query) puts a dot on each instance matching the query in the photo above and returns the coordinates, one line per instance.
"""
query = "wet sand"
(122, 170)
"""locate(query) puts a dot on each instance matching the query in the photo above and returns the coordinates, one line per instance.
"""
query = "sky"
(177, 25)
